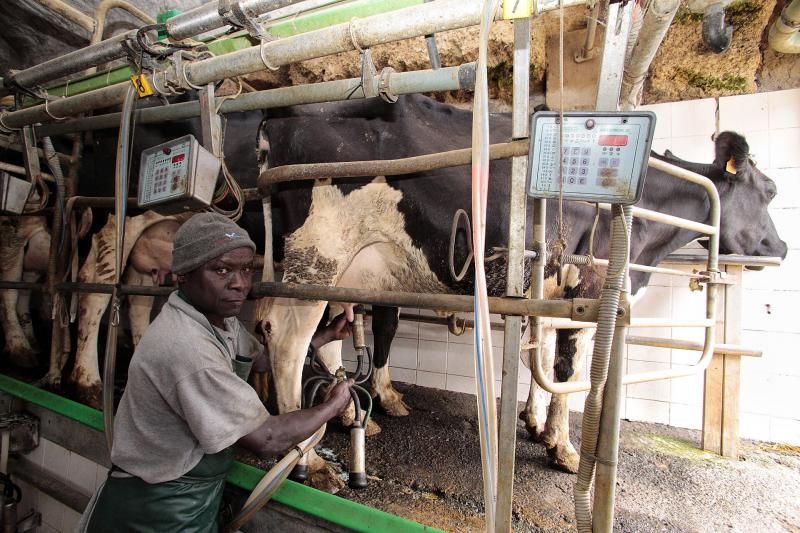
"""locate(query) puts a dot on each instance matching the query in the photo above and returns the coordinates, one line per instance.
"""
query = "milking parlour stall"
(541, 241)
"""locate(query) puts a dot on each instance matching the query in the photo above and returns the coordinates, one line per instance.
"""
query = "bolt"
(580, 310)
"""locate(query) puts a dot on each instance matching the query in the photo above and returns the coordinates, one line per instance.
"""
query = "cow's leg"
(288, 326)
(384, 327)
(139, 307)
(12, 248)
(535, 411)
(24, 311)
(570, 351)
(91, 306)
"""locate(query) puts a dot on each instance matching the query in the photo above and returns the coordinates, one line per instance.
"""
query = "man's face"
(218, 288)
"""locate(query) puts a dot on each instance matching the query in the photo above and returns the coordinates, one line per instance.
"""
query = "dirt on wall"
(683, 68)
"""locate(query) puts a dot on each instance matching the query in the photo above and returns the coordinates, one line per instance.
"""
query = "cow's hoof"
(372, 428)
(22, 355)
(91, 395)
(325, 478)
(395, 406)
(534, 433)
(564, 458)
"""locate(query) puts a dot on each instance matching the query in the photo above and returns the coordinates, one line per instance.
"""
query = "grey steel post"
(613, 64)
(507, 438)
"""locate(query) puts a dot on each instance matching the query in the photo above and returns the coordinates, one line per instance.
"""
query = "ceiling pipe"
(70, 13)
(784, 34)
(191, 23)
(102, 11)
(655, 23)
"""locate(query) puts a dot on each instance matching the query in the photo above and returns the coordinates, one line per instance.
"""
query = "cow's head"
(745, 192)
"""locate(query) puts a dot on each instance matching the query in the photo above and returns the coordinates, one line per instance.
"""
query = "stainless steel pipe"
(445, 79)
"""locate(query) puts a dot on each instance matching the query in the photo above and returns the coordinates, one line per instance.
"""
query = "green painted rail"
(339, 511)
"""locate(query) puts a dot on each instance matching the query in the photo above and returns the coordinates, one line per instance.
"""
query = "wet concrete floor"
(426, 467)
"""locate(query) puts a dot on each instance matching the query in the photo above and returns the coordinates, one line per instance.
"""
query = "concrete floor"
(426, 467)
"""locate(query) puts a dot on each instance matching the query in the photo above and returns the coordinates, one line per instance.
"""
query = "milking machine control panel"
(177, 175)
(604, 157)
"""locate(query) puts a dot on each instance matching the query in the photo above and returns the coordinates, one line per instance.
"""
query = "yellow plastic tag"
(731, 166)
(142, 85)
(517, 9)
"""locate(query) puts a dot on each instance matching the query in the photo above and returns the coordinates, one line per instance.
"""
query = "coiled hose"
(606, 321)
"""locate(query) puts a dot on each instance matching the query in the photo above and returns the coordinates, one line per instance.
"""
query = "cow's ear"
(731, 151)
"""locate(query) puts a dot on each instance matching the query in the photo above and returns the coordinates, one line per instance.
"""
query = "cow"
(147, 254)
(392, 233)
(148, 237)
(24, 252)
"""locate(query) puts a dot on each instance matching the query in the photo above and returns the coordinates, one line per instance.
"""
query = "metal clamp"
(235, 15)
(384, 82)
(715, 277)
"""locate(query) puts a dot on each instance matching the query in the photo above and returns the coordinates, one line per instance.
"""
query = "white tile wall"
(80, 472)
(769, 408)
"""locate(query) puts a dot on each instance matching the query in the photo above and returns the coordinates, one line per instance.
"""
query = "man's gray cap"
(204, 237)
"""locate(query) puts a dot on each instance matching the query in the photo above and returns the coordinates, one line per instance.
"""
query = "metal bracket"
(210, 121)
(235, 15)
(29, 154)
(369, 75)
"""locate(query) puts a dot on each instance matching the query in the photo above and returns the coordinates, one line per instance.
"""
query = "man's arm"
(281, 432)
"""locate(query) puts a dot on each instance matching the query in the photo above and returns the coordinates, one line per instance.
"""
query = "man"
(187, 402)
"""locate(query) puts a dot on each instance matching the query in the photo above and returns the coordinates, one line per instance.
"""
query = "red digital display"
(613, 140)
(178, 158)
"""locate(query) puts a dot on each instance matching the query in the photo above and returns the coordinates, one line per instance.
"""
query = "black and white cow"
(393, 233)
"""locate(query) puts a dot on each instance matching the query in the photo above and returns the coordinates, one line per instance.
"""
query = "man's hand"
(339, 396)
(338, 329)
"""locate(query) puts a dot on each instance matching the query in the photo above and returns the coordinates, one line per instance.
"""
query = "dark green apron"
(187, 504)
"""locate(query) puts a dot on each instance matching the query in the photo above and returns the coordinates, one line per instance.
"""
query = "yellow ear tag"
(730, 167)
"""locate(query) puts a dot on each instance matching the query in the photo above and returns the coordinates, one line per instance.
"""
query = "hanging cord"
(121, 202)
(591, 237)
(229, 186)
(159, 49)
(560, 245)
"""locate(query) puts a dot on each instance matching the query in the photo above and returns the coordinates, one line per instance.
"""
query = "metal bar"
(681, 344)
(6, 143)
(725, 259)
(559, 323)
(438, 302)
(446, 79)
(14, 169)
(507, 435)
(655, 216)
(388, 167)
(584, 260)
(611, 67)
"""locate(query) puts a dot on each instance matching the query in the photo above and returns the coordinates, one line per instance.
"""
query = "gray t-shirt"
(183, 399)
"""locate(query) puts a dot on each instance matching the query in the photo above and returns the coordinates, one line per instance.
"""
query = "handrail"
(712, 266)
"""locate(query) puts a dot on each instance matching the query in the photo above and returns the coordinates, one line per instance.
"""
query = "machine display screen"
(613, 140)
(604, 157)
